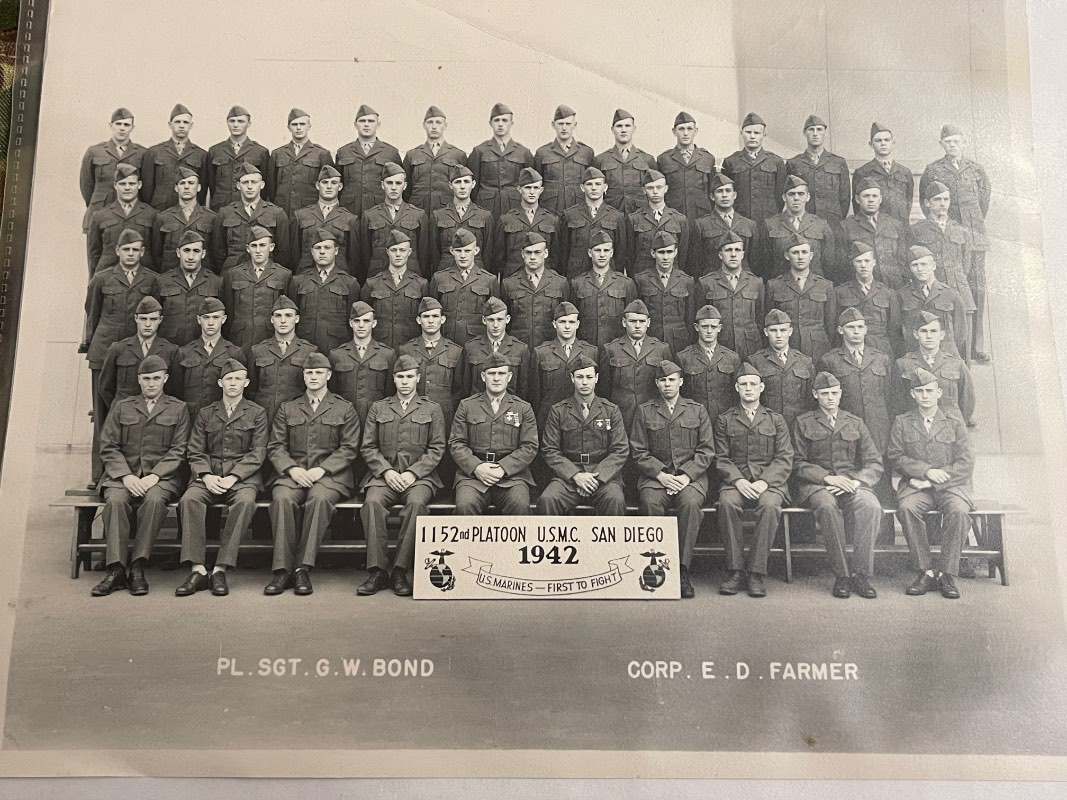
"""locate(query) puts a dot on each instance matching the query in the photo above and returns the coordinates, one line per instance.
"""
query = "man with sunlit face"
(126, 212)
(689, 170)
(495, 341)
(250, 290)
(738, 294)
(826, 173)
(393, 214)
(183, 289)
(669, 292)
(550, 377)
(754, 457)
(395, 292)
(672, 444)
(142, 446)
(497, 162)
(585, 218)
(835, 466)
(276, 364)
(953, 375)
(324, 294)
(361, 162)
(807, 298)
(225, 157)
(527, 216)
(601, 292)
(160, 164)
(429, 166)
(926, 293)
(893, 179)
(439, 358)
(628, 363)
(624, 165)
(533, 292)
(460, 213)
(187, 214)
(786, 373)
(96, 178)
(325, 212)
(887, 235)
(877, 303)
(227, 447)
(722, 220)
(463, 288)
(493, 442)
(562, 162)
(294, 167)
(758, 174)
(778, 233)
(196, 373)
(361, 365)
(403, 443)
(708, 367)
(236, 220)
(931, 455)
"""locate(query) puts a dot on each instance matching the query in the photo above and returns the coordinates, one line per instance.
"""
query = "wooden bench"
(988, 524)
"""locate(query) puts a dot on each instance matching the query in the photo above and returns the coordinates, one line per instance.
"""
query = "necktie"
(929, 423)
(283, 346)
(314, 404)
(926, 291)
(929, 360)
(179, 147)
(463, 275)
(625, 154)
(592, 211)
(145, 347)
(392, 213)
(637, 348)
(259, 272)
(250, 210)
(858, 355)
(502, 146)
(733, 281)
(534, 279)
(397, 277)
(796, 223)
(127, 208)
(567, 351)
(236, 147)
(121, 150)
(865, 289)
(404, 406)
(496, 406)
(832, 421)
(496, 346)
(189, 278)
(751, 412)
(664, 279)
(435, 148)
(687, 156)
(129, 277)
(323, 274)
(152, 404)
(941, 224)
(585, 411)
(783, 356)
(657, 214)
(366, 147)
(361, 351)
(188, 212)
(430, 346)
(229, 411)
(208, 347)
(530, 214)
(599, 280)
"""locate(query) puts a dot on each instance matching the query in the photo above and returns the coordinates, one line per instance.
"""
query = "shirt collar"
(317, 396)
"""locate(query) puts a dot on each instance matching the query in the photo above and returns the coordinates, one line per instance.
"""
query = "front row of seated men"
(307, 457)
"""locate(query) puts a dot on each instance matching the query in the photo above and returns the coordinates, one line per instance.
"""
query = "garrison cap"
(405, 363)
(666, 368)
(825, 380)
(247, 168)
(747, 369)
(857, 249)
(683, 117)
(795, 182)
(592, 174)
(496, 360)
(432, 112)
(720, 179)
(849, 315)
(210, 305)
(813, 120)
(752, 118)
(124, 170)
(459, 171)
(917, 251)
(651, 176)
(365, 111)
(933, 189)
(396, 237)
(564, 309)
(324, 235)
(946, 131)
(259, 232)
(328, 171)
(662, 239)
(462, 237)
(922, 377)
(636, 307)
(121, 113)
(494, 305)
(776, 317)
(148, 305)
(317, 360)
(283, 302)
(232, 365)
(796, 240)
(429, 304)
(185, 172)
(863, 184)
(391, 168)
(600, 236)
(621, 114)
(528, 176)
(924, 318)
(297, 113)
(562, 112)
(708, 312)
(238, 111)
(359, 308)
(876, 128)
(190, 237)
(532, 239)
(129, 236)
(151, 364)
(499, 109)
(730, 237)
(583, 362)
(178, 109)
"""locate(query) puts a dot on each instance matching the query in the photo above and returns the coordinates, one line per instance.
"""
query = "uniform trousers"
(977, 280)
(99, 413)
(955, 523)
(299, 519)
(151, 510)
(375, 508)
(768, 514)
(514, 499)
(653, 501)
(241, 505)
(560, 497)
(864, 515)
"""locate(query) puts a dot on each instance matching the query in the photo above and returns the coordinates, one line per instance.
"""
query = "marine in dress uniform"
(562, 162)
(126, 211)
(161, 162)
(877, 303)
(930, 453)
(495, 341)
(673, 447)
(669, 292)
(758, 174)
(776, 235)
(826, 173)
(362, 162)
(624, 165)
(250, 290)
(96, 178)
(953, 376)
(440, 359)
(786, 373)
(142, 446)
(497, 163)
(118, 375)
(325, 212)
(651, 218)
(708, 232)
(393, 214)
(395, 292)
(460, 212)
(883, 232)
(836, 465)
(276, 364)
(463, 288)
(895, 181)
(550, 371)
(601, 292)
(754, 458)
(926, 293)
(689, 170)
(236, 220)
(361, 366)
(493, 442)
(186, 215)
(738, 295)
(313, 441)
(533, 292)
(429, 166)
(808, 299)
(294, 167)
(708, 368)
(198, 365)
(584, 219)
(324, 294)
(527, 216)
(404, 441)
(227, 448)
(183, 289)
(225, 157)
(584, 444)
(628, 363)
(970, 193)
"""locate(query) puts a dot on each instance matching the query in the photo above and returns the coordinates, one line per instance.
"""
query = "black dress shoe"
(842, 586)
(755, 585)
(281, 581)
(981, 358)
(302, 582)
(947, 586)
(687, 585)
(966, 568)
(401, 584)
(115, 579)
(218, 584)
(375, 582)
(196, 582)
(734, 582)
(138, 582)
(923, 584)
(862, 586)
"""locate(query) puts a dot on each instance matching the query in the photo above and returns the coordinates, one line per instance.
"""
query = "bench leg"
(786, 541)
(995, 528)
(83, 528)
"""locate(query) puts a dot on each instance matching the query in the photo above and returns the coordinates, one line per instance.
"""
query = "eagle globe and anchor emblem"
(440, 573)
(654, 574)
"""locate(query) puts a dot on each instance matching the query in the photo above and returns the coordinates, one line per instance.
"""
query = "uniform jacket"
(275, 378)
(118, 376)
(476, 353)
(680, 443)
(742, 309)
(428, 185)
(897, 185)
(688, 185)
(167, 232)
(642, 226)
(625, 178)
(96, 179)
(497, 174)
(626, 377)
(249, 301)
(303, 231)
(788, 385)
(221, 164)
(395, 306)
(110, 303)
(759, 449)
(913, 452)
(943, 301)
(362, 381)
(828, 183)
(181, 302)
(235, 445)
(890, 239)
(292, 175)
(233, 225)
(706, 234)
(532, 306)
(881, 311)
(759, 182)
(136, 442)
(105, 226)
(509, 231)
(598, 443)
(970, 190)
(510, 435)
(954, 378)
(549, 380)
(847, 449)
(562, 173)
(361, 173)
(159, 172)
(462, 301)
(952, 253)
(196, 373)
(441, 372)
(374, 228)
(812, 309)
(600, 306)
(866, 389)
(445, 221)
(672, 307)
(328, 437)
(577, 228)
(775, 236)
(709, 381)
(411, 440)
(324, 307)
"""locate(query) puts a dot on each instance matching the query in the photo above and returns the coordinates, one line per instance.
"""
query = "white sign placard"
(557, 558)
